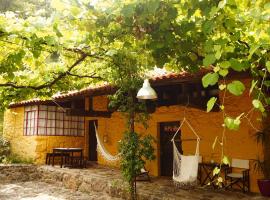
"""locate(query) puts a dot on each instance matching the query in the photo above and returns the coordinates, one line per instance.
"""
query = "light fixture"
(146, 92)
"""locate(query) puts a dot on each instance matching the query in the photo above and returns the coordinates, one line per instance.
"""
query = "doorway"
(167, 131)
(92, 141)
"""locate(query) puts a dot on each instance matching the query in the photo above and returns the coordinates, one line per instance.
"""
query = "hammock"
(185, 168)
(102, 150)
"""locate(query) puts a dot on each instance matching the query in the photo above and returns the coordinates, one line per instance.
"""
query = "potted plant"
(263, 165)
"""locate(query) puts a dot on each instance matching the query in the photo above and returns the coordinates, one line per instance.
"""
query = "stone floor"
(158, 188)
(35, 190)
(95, 182)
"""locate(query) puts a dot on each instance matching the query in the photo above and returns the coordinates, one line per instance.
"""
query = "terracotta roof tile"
(109, 89)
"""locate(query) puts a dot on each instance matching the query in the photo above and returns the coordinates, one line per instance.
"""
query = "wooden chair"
(240, 177)
(143, 176)
(199, 177)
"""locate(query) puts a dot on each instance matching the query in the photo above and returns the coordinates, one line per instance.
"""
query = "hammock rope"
(185, 168)
(103, 151)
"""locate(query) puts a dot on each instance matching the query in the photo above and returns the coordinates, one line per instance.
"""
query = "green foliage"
(211, 103)
(209, 59)
(216, 171)
(126, 75)
(210, 79)
(262, 163)
(268, 66)
(15, 159)
(233, 124)
(135, 150)
(6, 157)
(258, 104)
(230, 35)
(4, 149)
(225, 160)
(236, 88)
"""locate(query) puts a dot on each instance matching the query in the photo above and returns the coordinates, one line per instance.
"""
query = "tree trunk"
(132, 130)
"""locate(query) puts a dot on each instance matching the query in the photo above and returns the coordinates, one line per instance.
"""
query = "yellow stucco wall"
(33, 147)
(239, 144)
(13, 131)
(47, 143)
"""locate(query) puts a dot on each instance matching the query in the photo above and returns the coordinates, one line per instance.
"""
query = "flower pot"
(264, 186)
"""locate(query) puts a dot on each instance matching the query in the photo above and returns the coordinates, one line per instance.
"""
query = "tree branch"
(244, 43)
(84, 76)
(49, 84)
(73, 50)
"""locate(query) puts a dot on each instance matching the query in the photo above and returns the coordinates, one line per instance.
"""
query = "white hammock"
(185, 168)
(102, 150)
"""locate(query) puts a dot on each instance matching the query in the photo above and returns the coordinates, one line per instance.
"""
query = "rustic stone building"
(35, 127)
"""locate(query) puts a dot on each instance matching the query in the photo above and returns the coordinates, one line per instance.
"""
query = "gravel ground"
(34, 190)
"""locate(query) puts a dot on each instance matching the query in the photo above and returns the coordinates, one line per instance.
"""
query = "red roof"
(109, 89)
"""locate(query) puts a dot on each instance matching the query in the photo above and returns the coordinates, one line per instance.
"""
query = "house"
(35, 127)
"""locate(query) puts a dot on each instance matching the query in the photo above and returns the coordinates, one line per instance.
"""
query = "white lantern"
(146, 92)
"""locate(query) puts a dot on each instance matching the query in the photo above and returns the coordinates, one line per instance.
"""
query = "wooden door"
(92, 141)
(167, 131)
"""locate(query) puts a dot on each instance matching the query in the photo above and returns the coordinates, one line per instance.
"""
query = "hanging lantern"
(146, 92)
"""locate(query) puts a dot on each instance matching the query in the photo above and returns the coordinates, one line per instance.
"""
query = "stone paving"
(34, 190)
(95, 182)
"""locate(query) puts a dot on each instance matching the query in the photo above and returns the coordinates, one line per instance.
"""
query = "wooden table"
(207, 169)
(64, 151)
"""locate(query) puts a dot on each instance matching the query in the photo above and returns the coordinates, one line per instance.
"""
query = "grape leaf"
(211, 103)
(209, 79)
(236, 88)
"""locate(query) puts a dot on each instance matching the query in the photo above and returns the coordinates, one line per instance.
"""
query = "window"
(51, 120)
(30, 120)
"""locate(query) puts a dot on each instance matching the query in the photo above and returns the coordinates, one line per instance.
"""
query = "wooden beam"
(91, 113)
(87, 103)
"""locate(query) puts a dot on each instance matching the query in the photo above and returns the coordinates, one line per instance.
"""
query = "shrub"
(15, 159)
(135, 150)
(7, 157)
(4, 148)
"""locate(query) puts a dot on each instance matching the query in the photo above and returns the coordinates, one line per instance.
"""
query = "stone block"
(72, 181)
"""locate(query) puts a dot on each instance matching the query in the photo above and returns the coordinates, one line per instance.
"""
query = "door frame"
(158, 142)
(88, 139)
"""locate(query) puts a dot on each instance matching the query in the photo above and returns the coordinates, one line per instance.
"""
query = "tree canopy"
(60, 45)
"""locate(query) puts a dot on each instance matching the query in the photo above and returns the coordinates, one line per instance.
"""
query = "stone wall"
(75, 179)
(107, 182)
(18, 173)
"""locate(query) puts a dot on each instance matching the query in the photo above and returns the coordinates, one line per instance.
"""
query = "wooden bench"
(76, 162)
(52, 156)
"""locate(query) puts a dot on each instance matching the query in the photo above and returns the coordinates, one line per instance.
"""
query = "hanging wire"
(61, 107)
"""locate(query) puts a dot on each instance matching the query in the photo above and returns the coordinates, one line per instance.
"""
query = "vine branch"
(48, 84)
